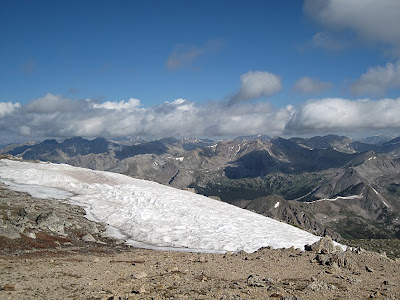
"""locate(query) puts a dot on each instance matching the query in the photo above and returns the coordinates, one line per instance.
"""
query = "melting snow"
(338, 198)
(238, 150)
(152, 215)
(380, 197)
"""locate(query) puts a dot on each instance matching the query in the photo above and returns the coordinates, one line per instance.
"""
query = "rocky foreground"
(48, 250)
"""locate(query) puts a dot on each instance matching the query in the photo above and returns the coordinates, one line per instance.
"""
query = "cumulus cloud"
(307, 85)
(7, 108)
(57, 116)
(53, 103)
(131, 104)
(377, 80)
(183, 55)
(331, 114)
(370, 20)
(256, 84)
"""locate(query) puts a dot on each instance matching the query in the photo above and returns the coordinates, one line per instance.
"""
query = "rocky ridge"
(351, 189)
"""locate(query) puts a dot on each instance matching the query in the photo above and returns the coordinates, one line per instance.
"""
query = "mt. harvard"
(328, 184)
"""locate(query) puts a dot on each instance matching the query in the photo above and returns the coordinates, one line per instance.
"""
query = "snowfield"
(152, 215)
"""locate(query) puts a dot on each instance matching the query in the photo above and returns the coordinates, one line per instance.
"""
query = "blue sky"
(89, 53)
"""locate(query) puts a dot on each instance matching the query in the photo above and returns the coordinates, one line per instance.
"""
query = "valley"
(326, 185)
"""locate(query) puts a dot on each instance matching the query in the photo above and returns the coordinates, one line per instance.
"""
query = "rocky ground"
(48, 250)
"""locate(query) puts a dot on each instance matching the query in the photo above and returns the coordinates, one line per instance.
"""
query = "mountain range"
(325, 184)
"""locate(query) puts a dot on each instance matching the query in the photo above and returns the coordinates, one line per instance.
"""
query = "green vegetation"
(288, 186)
(390, 246)
(356, 227)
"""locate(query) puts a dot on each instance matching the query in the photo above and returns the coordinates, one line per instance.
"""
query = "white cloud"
(332, 114)
(182, 117)
(377, 80)
(57, 116)
(53, 103)
(7, 108)
(176, 118)
(370, 20)
(307, 85)
(257, 84)
(131, 104)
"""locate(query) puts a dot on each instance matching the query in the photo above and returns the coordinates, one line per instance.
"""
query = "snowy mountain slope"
(153, 214)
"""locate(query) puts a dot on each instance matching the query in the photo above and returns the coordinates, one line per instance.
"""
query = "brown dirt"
(146, 274)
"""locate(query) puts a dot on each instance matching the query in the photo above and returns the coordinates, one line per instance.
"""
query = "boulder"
(50, 221)
(324, 246)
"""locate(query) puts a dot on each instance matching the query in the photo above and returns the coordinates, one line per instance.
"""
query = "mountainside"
(327, 184)
(152, 215)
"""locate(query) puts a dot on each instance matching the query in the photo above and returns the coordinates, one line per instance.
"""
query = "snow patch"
(238, 150)
(338, 198)
(276, 205)
(383, 201)
(179, 158)
(151, 215)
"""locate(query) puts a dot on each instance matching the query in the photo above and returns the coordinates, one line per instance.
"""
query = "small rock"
(2, 224)
(173, 269)
(22, 212)
(119, 242)
(323, 259)
(320, 285)
(142, 290)
(202, 278)
(227, 254)
(88, 238)
(139, 275)
(276, 295)
(255, 281)
(369, 269)
(359, 250)
(376, 294)
(8, 287)
(31, 235)
(335, 266)
(202, 259)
